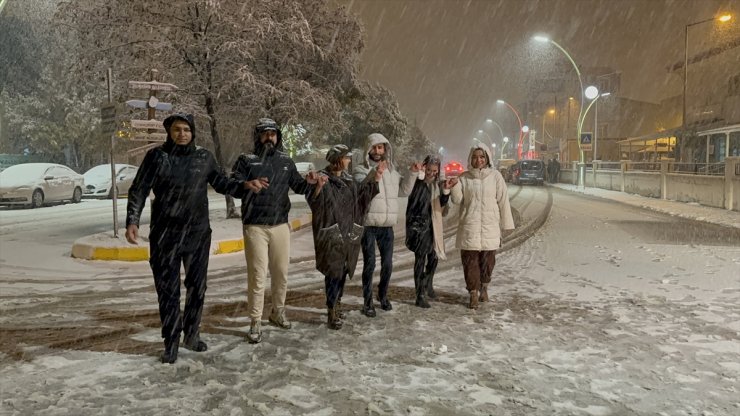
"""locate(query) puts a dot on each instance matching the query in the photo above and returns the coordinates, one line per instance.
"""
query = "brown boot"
(333, 321)
(473, 299)
(340, 313)
(483, 292)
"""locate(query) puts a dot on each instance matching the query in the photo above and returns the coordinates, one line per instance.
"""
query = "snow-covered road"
(605, 310)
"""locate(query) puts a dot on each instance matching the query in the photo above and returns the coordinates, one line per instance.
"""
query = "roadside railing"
(711, 184)
(710, 169)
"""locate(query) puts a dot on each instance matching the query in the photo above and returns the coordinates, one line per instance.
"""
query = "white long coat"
(484, 206)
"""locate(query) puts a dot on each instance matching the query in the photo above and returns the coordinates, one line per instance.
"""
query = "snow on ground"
(611, 324)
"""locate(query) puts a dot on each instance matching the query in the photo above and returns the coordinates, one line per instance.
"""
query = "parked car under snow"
(98, 180)
(35, 184)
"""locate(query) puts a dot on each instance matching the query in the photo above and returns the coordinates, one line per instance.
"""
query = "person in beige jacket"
(484, 212)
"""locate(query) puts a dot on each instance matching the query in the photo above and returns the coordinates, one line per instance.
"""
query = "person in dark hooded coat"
(178, 173)
(424, 213)
(270, 174)
(338, 205)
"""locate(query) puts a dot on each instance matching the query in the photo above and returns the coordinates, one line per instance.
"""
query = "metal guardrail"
(644, 166)
(709, 169)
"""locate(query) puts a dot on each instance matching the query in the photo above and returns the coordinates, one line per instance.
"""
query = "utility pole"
(114, 186)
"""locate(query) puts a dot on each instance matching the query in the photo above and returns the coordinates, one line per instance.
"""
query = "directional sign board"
(149, 137)
(108, 118)
(147, 124)
(145, 104)
(151, 85)
(587, 141)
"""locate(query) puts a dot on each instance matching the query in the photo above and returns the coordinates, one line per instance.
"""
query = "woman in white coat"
(484, 212)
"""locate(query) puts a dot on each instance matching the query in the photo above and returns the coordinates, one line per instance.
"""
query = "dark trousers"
(168, 249)
(425, 265)
(384, 237)
(334, 287)
(477, 267)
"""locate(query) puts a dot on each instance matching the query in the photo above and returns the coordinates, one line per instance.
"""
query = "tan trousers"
(266, 247)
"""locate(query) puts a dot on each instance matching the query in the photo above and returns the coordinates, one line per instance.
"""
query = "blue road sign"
(586, 141)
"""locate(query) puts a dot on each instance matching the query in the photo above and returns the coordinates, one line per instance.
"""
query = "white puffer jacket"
(383, 210)
(484, 206)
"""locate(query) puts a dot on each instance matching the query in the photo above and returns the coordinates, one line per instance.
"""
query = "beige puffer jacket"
(484, 206)
(383, 210)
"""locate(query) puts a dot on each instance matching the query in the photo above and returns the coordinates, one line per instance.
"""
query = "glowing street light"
(521, 126)
(498, 126)
(503, 147)
(490, 139)
(724, 18)
(545, 39)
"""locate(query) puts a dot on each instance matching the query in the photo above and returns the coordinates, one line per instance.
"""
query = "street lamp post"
(544, 117)
(592, 93)
(580, 82)
(490, 139)
(501, 131)
(723, 18)
(521, 126)
(581, 154)
(596, 121)
(503, 147)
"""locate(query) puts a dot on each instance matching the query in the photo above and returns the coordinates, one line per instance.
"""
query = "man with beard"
(379, 221)
(269, 174)
(178, 173)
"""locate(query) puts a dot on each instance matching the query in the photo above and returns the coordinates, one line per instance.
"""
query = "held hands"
(132, 234)
(320, 180)
(416, 167)
(379, 169)
(312, 177)
(257, 185)
(450, 183)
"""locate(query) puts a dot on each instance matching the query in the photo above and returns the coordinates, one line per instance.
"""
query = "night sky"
(448, 61)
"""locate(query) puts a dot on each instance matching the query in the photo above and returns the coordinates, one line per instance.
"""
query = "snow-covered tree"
(234, 61)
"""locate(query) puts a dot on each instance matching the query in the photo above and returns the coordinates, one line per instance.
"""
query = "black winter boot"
(385, 304)
(194, 343)
(169, 355)
(333, 321)
(430, 286)
(421, 289)
(368, 309)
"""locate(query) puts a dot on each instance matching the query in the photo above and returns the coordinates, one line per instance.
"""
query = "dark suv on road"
(528, 171)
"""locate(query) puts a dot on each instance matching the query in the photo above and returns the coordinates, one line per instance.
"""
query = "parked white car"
(98, 180)
(35, 184)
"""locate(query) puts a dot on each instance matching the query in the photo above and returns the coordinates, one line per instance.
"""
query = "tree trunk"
(231, 211)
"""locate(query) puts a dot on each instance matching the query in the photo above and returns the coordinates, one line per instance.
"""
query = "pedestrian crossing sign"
(587, 141)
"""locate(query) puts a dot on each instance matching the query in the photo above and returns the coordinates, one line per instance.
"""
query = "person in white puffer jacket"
(380, 219)
(484, 212)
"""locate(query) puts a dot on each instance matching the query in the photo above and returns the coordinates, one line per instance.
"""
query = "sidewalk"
(226, 237)
(688, 210)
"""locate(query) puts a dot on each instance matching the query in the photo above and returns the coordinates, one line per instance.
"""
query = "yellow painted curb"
(121, 253)
(300, 222)
(229, 246)
(141, 253)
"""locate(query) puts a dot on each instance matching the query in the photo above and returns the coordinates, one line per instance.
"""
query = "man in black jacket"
(178, 173)
(269, 174)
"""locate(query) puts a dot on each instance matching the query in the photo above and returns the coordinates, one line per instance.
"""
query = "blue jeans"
(384, 237)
